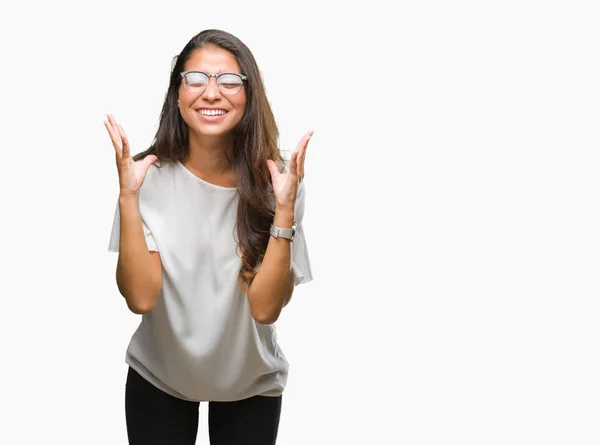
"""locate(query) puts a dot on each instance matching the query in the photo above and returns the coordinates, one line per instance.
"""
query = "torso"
(201, 342)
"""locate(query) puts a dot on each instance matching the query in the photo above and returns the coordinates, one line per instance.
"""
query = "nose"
(212, 91)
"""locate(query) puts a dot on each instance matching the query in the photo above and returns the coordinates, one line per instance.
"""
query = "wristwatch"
(280, 232)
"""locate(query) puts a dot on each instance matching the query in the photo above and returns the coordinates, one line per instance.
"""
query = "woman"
(208, 230)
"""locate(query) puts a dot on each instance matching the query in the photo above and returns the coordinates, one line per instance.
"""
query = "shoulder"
(157, 188)
(158, 172)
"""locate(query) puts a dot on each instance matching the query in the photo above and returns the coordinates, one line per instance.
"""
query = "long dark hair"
(255, 140)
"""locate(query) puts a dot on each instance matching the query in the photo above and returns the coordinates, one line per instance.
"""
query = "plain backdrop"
(452, 213)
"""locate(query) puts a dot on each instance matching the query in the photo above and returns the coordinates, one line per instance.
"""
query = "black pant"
(157, 418)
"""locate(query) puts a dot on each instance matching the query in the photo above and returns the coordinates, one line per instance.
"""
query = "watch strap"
(281, 232)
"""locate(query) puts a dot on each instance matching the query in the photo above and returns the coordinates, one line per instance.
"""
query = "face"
(195, 107)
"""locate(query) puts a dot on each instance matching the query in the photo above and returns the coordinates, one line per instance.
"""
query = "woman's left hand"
(285, 185)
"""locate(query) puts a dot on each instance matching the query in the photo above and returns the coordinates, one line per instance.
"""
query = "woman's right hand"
(131, 173)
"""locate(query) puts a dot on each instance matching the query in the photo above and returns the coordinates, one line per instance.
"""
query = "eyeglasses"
(196, 82)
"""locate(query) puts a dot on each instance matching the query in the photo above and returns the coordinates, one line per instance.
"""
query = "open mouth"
(211, 113)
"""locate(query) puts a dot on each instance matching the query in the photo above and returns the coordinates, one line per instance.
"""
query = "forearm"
(274, 283)
(136, 277)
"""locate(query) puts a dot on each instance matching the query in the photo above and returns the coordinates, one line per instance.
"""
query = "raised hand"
(131, 173)
(285, 185)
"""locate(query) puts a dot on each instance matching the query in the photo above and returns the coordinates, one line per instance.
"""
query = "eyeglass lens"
(228, 83)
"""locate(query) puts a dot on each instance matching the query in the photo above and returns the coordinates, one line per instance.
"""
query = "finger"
(302, 154)
(272, 168)
(115, 129)
(304, 140)
(116, 140)
(125, 141)
(294, 166)
(113, 123)
(148, 161)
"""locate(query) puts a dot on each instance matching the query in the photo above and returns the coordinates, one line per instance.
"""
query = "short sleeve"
(113, 245)
(299, 250)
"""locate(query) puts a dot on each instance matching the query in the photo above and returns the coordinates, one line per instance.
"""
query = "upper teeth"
(212, 112)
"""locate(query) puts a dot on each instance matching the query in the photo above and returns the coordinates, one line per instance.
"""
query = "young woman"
(209, 233)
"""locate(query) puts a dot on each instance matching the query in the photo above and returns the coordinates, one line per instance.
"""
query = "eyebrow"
(218, 72)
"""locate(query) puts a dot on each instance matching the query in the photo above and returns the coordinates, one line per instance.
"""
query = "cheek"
(243, 99)
(240, 103)
(184, 103)
(184, 100)
(241, 110)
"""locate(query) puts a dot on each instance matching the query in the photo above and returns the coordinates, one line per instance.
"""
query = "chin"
(214, 131)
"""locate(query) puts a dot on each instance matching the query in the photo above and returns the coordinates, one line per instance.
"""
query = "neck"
(207, 154)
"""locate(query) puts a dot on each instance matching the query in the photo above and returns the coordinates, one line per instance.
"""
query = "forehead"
(212, 60)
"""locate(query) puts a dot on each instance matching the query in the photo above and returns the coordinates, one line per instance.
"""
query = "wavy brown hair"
(255, 140)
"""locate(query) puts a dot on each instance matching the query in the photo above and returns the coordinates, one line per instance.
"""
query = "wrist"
(284, 218)
(128, 198)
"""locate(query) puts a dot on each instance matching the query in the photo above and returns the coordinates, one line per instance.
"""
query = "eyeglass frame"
(216, 76)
